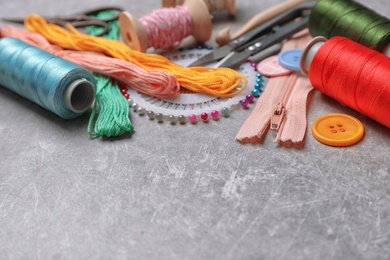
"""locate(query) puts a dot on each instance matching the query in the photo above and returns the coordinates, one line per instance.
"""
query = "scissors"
(260, 38)
(81, 19)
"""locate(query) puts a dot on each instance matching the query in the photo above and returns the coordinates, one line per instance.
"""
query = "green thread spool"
(350, 19)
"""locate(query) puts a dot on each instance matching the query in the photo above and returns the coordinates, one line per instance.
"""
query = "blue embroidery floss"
(55, 84)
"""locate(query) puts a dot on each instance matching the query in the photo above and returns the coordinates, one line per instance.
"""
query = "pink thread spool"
(138, 36)
(213, 5)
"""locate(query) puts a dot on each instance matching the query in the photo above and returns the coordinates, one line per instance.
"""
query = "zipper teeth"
(279, 89)
(294, 127)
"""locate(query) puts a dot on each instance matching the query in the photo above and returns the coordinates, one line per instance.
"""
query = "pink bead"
(250, 97)
(192, 118)
(244, 103)
(204, 116)
(214, 114)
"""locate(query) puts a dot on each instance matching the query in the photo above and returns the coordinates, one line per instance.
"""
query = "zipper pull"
(277, 117)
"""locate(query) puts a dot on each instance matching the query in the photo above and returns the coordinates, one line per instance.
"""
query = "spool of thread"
(353, 20)
(212, 5)
(47, 80)
(166, 27)
(350, 73)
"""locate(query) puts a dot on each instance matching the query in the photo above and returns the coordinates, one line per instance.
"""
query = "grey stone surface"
(185, 191)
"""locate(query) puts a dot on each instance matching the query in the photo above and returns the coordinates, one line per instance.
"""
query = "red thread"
(354, 75)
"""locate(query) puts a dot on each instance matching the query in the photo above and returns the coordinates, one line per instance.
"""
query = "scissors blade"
(233, 59)
(214, 55)
(257, 46)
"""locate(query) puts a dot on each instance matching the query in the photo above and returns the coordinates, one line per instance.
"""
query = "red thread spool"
(350, 73)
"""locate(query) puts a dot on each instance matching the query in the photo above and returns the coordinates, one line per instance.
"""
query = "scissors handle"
(115, 9)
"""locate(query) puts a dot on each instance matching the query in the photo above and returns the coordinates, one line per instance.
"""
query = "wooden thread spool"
(213, 5)
(136, 36)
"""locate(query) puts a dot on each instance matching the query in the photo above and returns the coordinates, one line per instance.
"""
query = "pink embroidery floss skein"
(154, 82)
(166, 27)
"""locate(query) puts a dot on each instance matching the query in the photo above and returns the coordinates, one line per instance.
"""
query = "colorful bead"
(150, 114)
(172, 119)
(214, 114)
(250, 97)
(159, 117)
(204, 116)
(256, 93)
(192, 118)
(225, 111)
(141, 111)
(181, 119)
(244, 103)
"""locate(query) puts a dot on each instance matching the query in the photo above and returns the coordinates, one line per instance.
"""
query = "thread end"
(308, 53)
(80, 95)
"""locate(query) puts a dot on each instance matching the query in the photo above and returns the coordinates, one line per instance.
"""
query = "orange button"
(337, 129)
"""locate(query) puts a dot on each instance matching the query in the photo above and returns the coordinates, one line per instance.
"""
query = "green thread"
(112, 110)
(110, 114)
(350, 19)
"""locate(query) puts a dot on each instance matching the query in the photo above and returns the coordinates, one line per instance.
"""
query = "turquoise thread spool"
(53, 83)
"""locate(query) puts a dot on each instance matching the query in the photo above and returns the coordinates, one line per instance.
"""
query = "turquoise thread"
(41, 77)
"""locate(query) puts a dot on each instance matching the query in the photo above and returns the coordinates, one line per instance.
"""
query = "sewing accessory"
(259, 38)
(219, 82)
(166, 27)
(289, 59)
(81, 20)
(190, 106)
(212, 5)
(282, 105)
(270, 67)
(110, 116)
(223, 36)
(352, 20)
(270, 51)
(154, 82)
(337, 129)
(55, 84)
(351, 73)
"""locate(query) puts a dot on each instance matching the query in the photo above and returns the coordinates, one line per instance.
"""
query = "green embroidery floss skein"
(353, 20)
(110, 114)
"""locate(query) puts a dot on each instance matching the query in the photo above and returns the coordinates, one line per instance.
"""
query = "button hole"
(331, 126)
(340, 125)
(342, 130)
(334, 131)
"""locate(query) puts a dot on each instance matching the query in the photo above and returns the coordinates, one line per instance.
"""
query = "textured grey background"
(185, 192)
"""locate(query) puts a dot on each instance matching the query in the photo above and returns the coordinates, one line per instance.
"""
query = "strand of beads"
(192, 118)
(196, 111)
(203, 116)
(258, 88)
